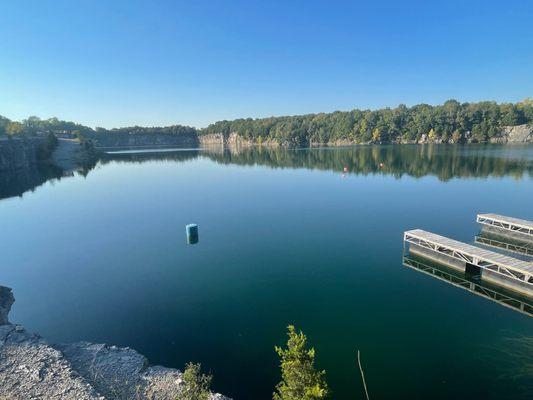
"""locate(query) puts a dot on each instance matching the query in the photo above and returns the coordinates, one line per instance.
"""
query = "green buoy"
(192, 233)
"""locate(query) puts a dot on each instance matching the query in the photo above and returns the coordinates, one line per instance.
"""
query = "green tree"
(196, 386)
(299, 378)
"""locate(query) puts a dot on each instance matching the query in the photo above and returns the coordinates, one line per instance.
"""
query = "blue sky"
(118, 63)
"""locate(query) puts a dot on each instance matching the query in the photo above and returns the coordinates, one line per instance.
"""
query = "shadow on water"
(442, 161)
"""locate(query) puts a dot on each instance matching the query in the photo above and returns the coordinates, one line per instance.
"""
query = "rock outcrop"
(233, 140)
(31, 368)
(515, 134)
(121, 373)
(6, 301)
(124, 139)
(16, 154)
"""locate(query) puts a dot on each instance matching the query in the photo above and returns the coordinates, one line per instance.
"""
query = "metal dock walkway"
(503, 265)
(506, 224)
(521, 248)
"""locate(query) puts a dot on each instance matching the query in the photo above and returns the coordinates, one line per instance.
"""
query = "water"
(285, 237)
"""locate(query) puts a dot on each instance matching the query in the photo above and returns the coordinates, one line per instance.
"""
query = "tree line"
(451, 122)
(33, 125)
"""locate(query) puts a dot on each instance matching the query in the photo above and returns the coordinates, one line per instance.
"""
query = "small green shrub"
(299, 378)
(196, 386)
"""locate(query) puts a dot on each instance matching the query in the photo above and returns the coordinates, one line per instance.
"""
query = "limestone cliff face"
(148, 139)
(515, 134)
(233, 140)
(18, 154)
(213, 139)
(32, 368)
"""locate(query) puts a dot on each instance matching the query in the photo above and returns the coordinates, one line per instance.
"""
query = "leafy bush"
(196, 386)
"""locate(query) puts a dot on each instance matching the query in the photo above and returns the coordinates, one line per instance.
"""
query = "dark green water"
(285, 237)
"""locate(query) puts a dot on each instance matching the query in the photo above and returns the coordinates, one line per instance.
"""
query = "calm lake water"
(285, 237)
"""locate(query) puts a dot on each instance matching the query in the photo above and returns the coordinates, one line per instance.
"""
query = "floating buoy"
(192, 233)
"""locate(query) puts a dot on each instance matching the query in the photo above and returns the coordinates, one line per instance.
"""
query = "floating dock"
(500, 296)
(512, 227)
(504, 243)
(493, 267)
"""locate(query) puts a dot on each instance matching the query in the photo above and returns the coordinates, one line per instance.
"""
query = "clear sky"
(117, 63)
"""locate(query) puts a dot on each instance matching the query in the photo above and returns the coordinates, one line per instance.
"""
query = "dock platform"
(514, 227)
(504, 266)
(503, 243)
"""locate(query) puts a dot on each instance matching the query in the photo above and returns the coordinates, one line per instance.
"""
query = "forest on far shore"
(450, 122)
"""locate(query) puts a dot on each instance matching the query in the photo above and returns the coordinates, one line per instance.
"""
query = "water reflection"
(15, 183)
(443, 161)
(463, 281)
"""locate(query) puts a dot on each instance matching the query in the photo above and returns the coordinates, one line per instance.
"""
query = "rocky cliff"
(32, 368)
(18, 154)
(123, 139)
(232, 140)
(515, 134)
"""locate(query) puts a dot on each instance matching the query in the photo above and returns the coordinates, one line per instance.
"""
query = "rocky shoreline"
(32, 368)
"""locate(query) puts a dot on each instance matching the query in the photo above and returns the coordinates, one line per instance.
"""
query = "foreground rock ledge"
(31, 368)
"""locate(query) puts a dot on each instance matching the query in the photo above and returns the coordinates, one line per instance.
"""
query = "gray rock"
(519, 134)
(18, 153)
(31, 369)
(123, 373)
(515, 134)
(6, 301)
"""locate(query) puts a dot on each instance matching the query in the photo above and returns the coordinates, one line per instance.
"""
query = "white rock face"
(122, 373)
(32, 369)
(515, 134)
(519, 134)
